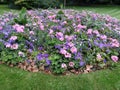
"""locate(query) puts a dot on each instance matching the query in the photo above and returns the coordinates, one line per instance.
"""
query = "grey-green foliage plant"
(22, 18)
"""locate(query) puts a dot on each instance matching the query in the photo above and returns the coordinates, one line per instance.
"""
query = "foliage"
(60, 41)
(22, 20)
(116, 1)
(36, 3)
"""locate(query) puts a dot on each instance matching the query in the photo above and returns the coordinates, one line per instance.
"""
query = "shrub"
(116, 1)
(103, 1)
(35, 4)
(3, 1)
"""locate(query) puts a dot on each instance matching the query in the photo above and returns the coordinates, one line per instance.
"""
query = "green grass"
(16, 79)
(113, 11)
(4, 9)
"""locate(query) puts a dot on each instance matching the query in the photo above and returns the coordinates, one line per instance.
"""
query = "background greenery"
(16, 79)
(55, 3)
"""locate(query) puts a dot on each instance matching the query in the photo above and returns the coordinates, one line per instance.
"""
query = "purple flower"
(101, 45)
(104, 60)
(45, 55)
(78, 56)
(30, 44)
(30, 50)
(28, 61)
(60, 36)
(107, 51)
(6, 36)
(1, 27)
(82, 63)
(40, 48)
(57, 46)
(14, 46)
(11, 41)
(48, 62)
(39, 57)
(114, 58)
(96, 43)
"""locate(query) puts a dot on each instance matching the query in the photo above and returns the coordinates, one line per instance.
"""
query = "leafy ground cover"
(106, 79)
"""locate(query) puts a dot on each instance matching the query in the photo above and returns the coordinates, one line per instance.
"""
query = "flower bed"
(59, 42)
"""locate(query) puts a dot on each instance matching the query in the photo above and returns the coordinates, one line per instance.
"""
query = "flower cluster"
(63, 41)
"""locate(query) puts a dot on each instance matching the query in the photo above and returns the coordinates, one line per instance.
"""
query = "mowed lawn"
(4, 9)
(113, 11)
(16, 79)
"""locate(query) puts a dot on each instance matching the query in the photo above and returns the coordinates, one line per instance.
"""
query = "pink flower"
(27, 25)
(29, 12)
(70, 44)
(60, 36)
(68, 55)
(31, 32)
(6, 20)
(41, 27)
(104, 37)
(96, 32)
(114, 58)
(14, 46)
(110, 39)
(73, 49)
(64, 23)
(1, 27)
(63, 65)
(21, 54)
(7, 45)
(78, 19)
(63, 51)
(77, 30)
(52, 17)
(81, 26)
(61, 39)
(99, 57)
(3, 23)
(18, 28)
(114, 42)
(71, 64)
(69, 38)
(13, 38)
(89, 31)
(50, 31)
(15, 26)
(55, 20)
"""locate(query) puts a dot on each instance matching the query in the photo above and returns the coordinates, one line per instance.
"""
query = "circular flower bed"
(59, 42)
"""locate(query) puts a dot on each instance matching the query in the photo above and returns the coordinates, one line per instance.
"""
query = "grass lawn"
(16, 79)
(113, 11)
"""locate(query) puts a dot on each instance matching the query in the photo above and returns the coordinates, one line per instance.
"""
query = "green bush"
(102, 1)
(116, 1)
(18, 4)
(3, 1)
(34, 4)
